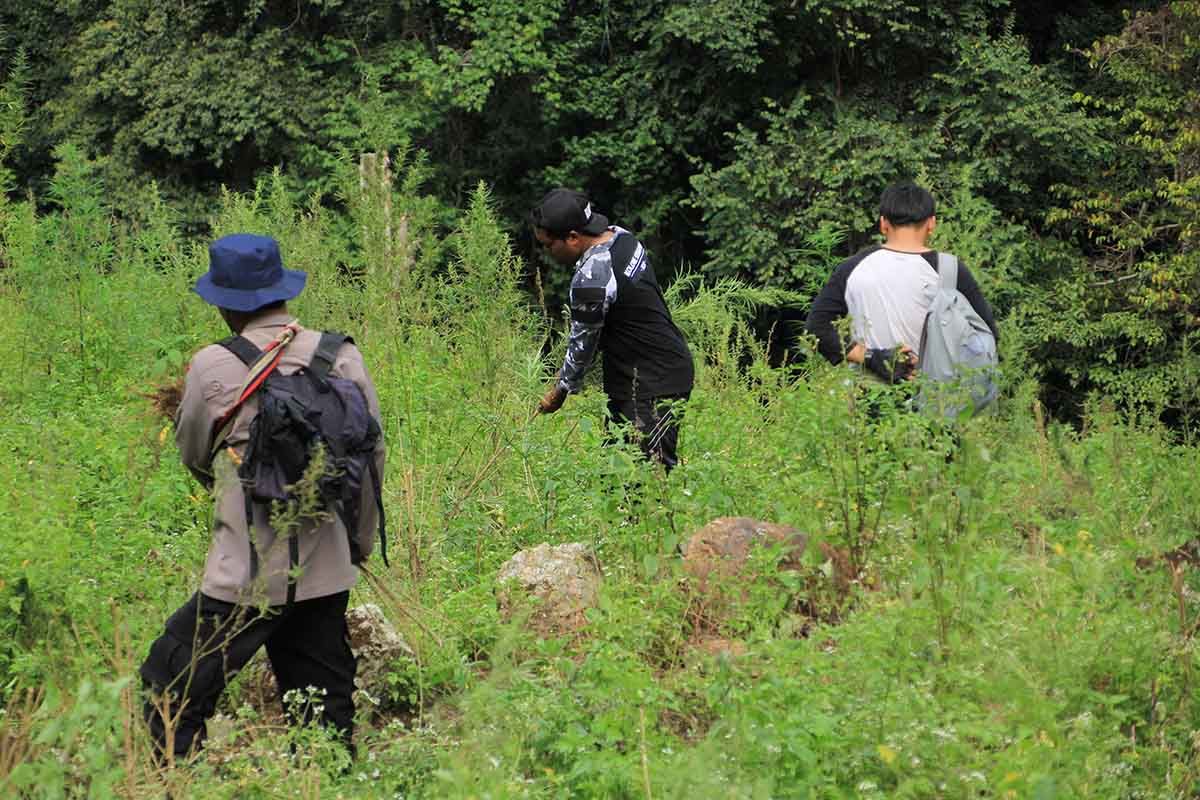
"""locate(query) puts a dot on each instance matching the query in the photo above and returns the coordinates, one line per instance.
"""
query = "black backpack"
(296, 413)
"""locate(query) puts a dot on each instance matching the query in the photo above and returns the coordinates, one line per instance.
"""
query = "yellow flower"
(887, 754)
(162, 435)
(1059, 549)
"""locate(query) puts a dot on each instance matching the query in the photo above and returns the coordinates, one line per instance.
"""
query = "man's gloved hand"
(893, 364)
(553, 400)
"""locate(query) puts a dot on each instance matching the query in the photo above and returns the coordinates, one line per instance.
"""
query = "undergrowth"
(997, 637)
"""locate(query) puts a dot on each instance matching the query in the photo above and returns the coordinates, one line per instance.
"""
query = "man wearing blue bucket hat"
(246, 273)
(285, 590)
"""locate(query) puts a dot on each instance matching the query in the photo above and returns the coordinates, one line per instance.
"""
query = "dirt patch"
(719, 646)
(1186, 555)
(689, 726)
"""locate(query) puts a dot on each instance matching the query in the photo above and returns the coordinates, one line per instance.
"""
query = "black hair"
(906, 204)
(272, 306)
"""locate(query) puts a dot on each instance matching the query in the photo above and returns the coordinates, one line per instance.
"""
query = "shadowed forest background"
(1020, 616)
(740, 139)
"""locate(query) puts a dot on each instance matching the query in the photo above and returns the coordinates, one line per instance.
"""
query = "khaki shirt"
(213, 383)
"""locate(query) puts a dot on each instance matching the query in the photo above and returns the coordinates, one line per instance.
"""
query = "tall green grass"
(1002, 644)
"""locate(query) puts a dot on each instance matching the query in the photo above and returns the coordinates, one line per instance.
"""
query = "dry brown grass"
(16, 731)
(165, 398)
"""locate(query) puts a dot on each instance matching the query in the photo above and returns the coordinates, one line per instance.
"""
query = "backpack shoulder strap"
(622, 251)
(249, 354)
(326, 352)
(243, 348)
(377, 487)
(948, 270)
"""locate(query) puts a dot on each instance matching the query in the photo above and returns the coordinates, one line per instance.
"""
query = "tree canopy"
(746, 139)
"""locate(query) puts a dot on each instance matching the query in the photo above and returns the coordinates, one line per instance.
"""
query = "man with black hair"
(887, 291)
(617, 308)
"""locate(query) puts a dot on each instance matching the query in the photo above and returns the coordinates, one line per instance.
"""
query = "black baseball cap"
(563, 210)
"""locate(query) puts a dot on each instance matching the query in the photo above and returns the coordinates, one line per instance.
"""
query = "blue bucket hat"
(245, 272)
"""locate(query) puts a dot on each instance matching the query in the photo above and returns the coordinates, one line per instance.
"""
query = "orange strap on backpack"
(255, 378)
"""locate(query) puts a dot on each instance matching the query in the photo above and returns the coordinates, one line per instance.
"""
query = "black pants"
(207, 641)
(656, 420)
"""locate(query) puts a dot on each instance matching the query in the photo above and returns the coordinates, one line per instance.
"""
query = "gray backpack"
(958, 361)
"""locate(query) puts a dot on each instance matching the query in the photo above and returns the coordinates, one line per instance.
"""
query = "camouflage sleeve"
(593, 290)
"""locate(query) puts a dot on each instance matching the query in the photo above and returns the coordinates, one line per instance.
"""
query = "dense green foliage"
(1010, 645)
(1130, 308)
(737, 137)
(1015, 635)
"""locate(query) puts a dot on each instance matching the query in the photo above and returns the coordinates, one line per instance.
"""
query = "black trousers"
(207, 641)
(656, 420)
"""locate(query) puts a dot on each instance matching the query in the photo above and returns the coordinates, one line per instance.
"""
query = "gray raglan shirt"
(887, 294)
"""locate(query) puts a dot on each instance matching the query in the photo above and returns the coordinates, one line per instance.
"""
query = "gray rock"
(563, 581)
(374, 642)
(376, 645)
